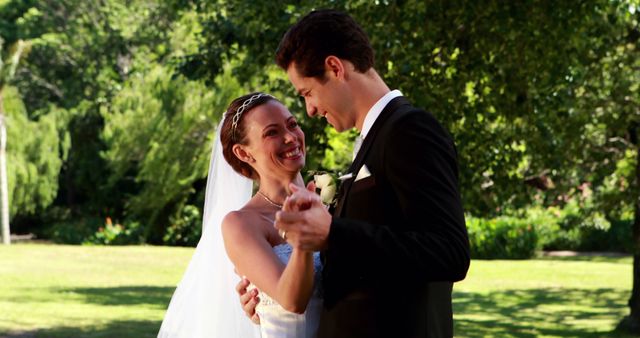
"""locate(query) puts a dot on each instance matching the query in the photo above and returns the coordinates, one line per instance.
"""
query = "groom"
(396, 240)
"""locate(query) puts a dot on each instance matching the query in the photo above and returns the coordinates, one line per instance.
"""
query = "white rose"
(323, 180)
(327, 193)
(327, 187)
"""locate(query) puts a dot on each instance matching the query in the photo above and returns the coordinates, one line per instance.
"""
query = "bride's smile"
(292, 154)
(275, 143)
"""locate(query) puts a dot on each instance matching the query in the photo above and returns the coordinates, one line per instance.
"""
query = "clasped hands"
(304, 220)
(305, 223)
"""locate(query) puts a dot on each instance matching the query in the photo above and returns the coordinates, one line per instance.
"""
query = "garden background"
(110, 108)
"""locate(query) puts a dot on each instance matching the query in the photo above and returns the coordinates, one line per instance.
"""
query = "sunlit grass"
(548, 297)
(76, 291)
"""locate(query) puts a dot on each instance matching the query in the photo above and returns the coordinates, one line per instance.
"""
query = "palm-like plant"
(8, 68)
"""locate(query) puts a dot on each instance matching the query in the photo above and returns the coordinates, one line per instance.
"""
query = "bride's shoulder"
(239, 224)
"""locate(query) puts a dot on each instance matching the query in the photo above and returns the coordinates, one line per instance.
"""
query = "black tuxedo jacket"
(398, 239)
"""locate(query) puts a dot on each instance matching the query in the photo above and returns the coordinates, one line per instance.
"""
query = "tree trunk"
(4, 194)
(631, 323)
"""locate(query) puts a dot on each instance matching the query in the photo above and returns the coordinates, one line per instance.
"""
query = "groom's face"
(328, 97)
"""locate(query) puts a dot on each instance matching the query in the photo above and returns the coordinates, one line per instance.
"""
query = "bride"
(260, 140)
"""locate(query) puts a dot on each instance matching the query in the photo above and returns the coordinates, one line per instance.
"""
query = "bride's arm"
(291, 285)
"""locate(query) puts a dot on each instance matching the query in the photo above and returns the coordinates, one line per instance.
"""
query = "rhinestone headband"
(241, 109)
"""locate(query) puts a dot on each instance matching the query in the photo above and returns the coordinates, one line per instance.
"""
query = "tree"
(7, 72)
(538, 94)
(158, 132)
(83, 53)
(501, 76)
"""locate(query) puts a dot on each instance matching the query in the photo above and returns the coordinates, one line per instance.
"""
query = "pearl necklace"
(269, 200)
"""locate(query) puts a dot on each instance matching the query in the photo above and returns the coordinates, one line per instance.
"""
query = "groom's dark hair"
(320, 34)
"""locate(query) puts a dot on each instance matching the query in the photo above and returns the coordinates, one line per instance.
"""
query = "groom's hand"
(248, 300)
(305, 219)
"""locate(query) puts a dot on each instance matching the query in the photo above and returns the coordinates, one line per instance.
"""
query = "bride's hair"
(233, 130)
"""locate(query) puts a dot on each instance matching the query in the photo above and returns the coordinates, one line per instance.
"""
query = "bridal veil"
(205, 303)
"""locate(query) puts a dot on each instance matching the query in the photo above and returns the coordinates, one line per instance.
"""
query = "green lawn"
(560, 297)
(76, 291)
(83, 291)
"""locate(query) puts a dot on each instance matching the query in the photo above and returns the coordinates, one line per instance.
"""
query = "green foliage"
(517, 89)
(117, 234)
(159, 128)
(338, 155)
(36, 151)
(573, 227)
(539, 91)
(615, 192)
(83, 52)
(579, 228)
(73, 231)
(502, 238)
(575, 224)
(185, 228)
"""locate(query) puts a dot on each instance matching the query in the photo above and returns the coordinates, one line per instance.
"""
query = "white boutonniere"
(328, 187)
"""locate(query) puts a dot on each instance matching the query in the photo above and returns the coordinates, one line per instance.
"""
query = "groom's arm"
(430, 239)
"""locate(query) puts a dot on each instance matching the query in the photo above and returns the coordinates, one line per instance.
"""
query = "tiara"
(242, 108)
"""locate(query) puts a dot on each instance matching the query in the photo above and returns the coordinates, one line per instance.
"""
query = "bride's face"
(275, 141)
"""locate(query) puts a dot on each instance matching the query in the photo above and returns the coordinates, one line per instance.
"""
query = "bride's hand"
(304, 219)
(248, 300)
(293, 203)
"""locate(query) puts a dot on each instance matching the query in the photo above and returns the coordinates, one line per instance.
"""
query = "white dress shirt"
(372, 116)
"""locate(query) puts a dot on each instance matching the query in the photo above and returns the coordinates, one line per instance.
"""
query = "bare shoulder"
(238, 225)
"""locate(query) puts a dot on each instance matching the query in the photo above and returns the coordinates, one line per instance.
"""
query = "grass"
(84, 291)
(75, 291)
(550, 297)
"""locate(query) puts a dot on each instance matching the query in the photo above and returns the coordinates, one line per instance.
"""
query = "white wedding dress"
(205, 303)
(276, 322)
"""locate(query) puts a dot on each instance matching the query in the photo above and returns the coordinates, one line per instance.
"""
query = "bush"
(617, 237)
(579, 227)
(572, 227)
(546, 222)
(502, 238)
(73, 231)
(117, 234)
(185, 228)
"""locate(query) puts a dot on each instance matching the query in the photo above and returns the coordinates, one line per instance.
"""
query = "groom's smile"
(326, 96)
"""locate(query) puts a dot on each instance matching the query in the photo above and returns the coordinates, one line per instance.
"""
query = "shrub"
(73, 231)
(616, 237)
(546, 222)
(578, 226)
(185, 228)
(502, 238)
(117, 234)
(573, 227)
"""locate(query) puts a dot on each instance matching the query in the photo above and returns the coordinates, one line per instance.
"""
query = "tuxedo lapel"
(367, 144)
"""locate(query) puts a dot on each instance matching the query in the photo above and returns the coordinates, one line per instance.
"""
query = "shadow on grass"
(540, 312)
(125, 295)
(136, 296)
(119, 329)
(522, 313)
(613, 258)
